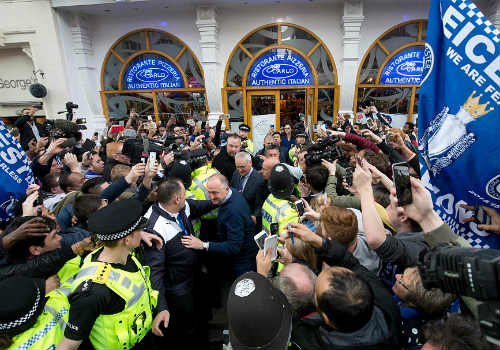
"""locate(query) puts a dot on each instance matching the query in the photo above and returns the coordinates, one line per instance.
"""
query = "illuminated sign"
(280, 69)
(405, 68)
(153, 73)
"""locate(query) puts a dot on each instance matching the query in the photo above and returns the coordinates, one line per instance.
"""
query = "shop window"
(391, 70)
(261, 39)
(297, 38)
(153, 72)
(279, 56)
(326, 104)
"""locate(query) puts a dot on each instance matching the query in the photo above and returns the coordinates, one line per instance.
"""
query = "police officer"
(31, 318)
(246, 143)
(112, 300)
(278, 208)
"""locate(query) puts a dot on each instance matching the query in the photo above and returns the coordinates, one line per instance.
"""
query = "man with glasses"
(94, 163)
(249, 183)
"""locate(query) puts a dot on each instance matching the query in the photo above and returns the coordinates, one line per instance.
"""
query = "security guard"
(277, 207)
(202, 171)
(31, 319)
(111, 298)
(246, 143)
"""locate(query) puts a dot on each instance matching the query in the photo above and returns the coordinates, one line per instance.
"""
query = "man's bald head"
(297, 282)
(267, 165)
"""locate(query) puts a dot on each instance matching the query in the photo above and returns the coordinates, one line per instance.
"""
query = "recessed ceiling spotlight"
(107, 10)
(165, 7)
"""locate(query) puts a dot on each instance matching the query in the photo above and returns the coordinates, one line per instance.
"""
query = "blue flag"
(15, 173)
(459, 111)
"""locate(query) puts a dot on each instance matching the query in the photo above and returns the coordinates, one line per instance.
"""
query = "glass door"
(263, 113)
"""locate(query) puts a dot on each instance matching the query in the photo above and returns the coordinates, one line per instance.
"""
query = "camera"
(468, 272)
(325, 149)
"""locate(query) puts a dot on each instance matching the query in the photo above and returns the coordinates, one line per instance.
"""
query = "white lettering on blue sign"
(277, 69)
(151, 73)
(406, 68)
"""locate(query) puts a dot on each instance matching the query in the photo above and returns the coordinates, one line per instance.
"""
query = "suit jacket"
(253, 191)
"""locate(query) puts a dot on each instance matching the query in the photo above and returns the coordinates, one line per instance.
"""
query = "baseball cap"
(259, 315)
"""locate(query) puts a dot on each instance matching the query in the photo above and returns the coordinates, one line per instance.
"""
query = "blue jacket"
(235, 233)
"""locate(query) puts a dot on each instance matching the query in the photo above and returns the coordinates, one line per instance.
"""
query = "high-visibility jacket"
(198, 187)
(48, 329)
(124, 329)
(249, 147)
(278, 211)
(196, 222)
(292, 154)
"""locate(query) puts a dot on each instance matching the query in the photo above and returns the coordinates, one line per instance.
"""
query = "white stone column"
(86, 87)
(206, 21)
(351, 24)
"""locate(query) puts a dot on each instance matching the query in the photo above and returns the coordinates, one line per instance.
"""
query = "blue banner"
(280, 69)
(15, 173)
(459, 111)
(405, 68)
(153, 73)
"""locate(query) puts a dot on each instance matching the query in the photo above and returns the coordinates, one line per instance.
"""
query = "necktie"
(241, 184)
(179, 220)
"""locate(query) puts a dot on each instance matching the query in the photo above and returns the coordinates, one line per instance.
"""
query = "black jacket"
(253, 191)
(41, 266)
(174, 268)
(25, 131)
(312, 333)
(224, 163)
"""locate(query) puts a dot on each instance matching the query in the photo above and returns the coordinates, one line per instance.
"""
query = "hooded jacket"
(382, 330)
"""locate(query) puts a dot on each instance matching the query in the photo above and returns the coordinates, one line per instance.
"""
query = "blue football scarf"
(459, 115)
(15, 173)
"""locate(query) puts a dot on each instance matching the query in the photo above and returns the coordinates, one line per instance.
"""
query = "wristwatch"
(205, 245)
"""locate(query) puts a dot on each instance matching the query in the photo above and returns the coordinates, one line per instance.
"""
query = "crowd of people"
(144, 238)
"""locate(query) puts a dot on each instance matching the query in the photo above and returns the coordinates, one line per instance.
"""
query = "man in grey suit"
(249, 182)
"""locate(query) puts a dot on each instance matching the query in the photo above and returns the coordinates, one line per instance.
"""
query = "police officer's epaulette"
(102, 273)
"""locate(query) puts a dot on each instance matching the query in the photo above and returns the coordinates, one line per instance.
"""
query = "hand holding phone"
(259, 239)
(348, 176)
(480, 216)
(300, 207)
(271, 242)
(151, 160)
(401, 176)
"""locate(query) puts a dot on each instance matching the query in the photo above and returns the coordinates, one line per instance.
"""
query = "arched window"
(391, 70)
(287, 60)
(153, 72)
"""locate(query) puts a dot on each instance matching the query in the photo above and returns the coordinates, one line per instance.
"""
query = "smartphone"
(290, 233)
(274, 228)
(348, 176)
(151, 160)
(401, 176)
(271, 242)
(481, 217)
(150, 118)
(300, 207)
(259, 239)
(121, 123)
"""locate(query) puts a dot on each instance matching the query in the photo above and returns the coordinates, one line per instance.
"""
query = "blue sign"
(405, 68)
(459, 116)
(153, 73)
(280, 69)
(15, 173)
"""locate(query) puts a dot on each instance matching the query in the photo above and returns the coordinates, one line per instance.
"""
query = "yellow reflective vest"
(198, 187)
(48, 329)
(249, 147)
(196, 222)
(278, 211)
(125, 329)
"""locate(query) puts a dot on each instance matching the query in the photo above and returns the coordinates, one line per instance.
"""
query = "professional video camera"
(467, 272)
(69, 110)
(138, 148)
(325, 149)
(60, 128)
